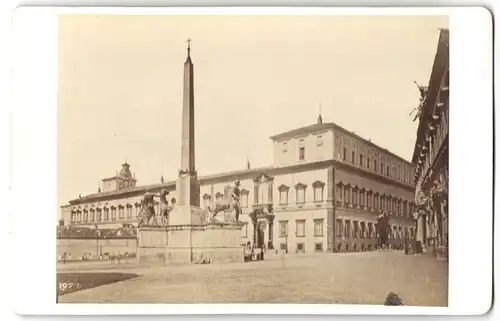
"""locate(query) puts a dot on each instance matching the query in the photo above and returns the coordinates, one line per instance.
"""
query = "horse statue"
(147, 213)
(227, 204)
(165, 208)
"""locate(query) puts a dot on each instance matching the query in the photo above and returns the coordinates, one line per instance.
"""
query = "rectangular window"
(92, 215)
(388, 171)
(244, 200)
(356, 229)
(346, 195)
(338, 228)
(355, 197)
(283, 197)
(300, 228)
(368, 163)
(283, 247)
(301, 248)
(121, 214)
(318, 194)
(362, 198)
(319, 141)
(318, 247)
(284, 147)
(302, 153)
(361, 160)
(347, 228)
(344, 154)
(318, 227)
(353, 158)
(129, 212)
(338, 195)
(382, 168)
(283, 228)
(301, 195)
(106, 214)
(375, 166)
(370, 230)
(363, 230)
(85, 216)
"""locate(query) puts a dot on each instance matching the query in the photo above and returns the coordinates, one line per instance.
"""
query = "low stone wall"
(80, 247)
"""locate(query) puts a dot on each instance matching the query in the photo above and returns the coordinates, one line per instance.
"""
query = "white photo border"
(34, 166)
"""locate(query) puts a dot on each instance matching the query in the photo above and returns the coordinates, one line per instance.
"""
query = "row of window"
(397, 171)
(301, 248)
(106, 214)
(358, 196)
(284, 191)
(300, 228)
(302, 147)
(368, 230)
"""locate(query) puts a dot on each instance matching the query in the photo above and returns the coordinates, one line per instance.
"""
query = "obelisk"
(187, 185)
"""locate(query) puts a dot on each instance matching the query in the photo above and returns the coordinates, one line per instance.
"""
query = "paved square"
(351, 278)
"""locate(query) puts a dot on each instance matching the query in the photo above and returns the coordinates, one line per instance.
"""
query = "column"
(270, 234)
(270, 191)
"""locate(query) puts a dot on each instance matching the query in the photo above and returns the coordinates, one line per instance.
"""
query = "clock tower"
(123, 180)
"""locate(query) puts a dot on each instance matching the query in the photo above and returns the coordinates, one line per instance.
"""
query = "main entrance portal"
(263, 222)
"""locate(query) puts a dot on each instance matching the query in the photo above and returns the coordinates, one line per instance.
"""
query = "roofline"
(292, 133)
(241, 174)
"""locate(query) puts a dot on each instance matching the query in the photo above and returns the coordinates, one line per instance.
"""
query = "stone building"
(430, 155)
(322, 193)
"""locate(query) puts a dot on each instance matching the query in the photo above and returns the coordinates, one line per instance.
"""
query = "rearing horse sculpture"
(228, 203)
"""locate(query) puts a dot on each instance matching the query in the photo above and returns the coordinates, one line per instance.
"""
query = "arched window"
(219, 196)
(92, 215)
(106, 214)
(129, 211)
(121, 212)
(113, 213)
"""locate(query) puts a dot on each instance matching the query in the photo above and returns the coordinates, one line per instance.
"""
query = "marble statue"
(147, 216)
(230, 203)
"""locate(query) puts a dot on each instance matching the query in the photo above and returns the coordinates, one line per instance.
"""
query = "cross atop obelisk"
(187, 184)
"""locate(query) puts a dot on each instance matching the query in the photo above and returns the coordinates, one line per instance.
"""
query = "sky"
(120, 88)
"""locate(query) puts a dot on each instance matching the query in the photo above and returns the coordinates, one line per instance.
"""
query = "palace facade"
(322, 194)
(430, 155)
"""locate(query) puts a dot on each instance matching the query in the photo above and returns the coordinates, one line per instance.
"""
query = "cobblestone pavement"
(351, 278)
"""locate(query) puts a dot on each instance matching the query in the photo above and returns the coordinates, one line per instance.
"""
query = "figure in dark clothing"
(383, 226)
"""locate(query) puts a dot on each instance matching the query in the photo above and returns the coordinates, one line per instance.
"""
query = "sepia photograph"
(253, 159)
